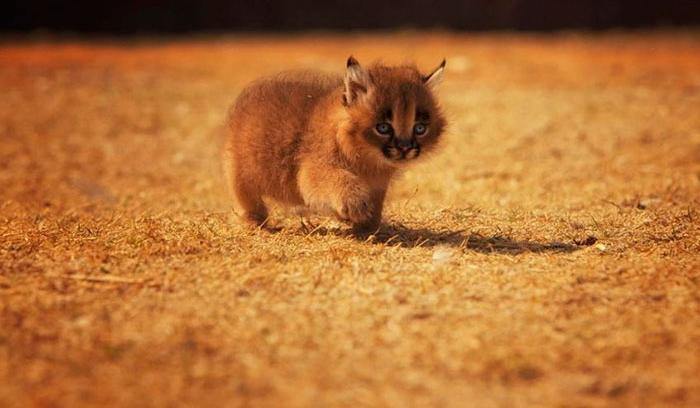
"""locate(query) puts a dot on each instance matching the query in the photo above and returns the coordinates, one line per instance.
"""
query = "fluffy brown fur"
(329, 143)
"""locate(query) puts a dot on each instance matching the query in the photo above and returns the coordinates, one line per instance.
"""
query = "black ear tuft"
(434, 77)
(351, 61)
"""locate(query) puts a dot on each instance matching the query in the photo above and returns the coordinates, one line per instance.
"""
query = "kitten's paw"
(357, 207)
(258, 221)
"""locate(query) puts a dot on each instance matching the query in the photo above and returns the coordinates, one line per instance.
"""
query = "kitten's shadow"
(396, 234)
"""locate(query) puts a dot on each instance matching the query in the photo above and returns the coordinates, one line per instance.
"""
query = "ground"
(547, 255)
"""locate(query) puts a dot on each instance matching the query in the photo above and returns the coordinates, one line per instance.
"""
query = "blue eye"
(419, 128)
(384, 128)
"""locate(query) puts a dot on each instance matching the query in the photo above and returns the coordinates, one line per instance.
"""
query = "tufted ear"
(434, 77)
(356, 81)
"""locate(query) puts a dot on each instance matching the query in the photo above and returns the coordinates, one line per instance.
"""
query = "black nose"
(403, 144)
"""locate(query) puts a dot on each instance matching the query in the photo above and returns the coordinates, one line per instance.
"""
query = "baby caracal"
(327, 143)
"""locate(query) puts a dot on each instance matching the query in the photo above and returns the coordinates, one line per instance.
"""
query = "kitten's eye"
(384, 128)
(419, 129)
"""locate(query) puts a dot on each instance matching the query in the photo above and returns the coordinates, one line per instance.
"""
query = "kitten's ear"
(356, 81)
(434, 77)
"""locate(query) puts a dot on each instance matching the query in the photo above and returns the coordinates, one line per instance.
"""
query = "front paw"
(357, 207)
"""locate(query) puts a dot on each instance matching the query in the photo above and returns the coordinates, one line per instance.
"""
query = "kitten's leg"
(372, 224)
(251, 203)
(346, 194)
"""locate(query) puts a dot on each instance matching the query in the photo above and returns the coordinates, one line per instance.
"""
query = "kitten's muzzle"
(402, 149)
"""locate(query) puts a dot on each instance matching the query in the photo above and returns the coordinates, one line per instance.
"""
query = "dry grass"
(125, 281)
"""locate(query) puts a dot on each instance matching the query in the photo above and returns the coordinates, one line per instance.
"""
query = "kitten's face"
(393, 111)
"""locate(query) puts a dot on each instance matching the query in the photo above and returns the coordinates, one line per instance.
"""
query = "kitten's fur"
(321, 141)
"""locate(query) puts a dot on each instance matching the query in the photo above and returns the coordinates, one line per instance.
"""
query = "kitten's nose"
(403, 144)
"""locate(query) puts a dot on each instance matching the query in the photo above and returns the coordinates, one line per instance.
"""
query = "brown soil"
(548, 255)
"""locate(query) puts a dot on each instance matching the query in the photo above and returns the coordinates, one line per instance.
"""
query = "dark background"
(182, 16)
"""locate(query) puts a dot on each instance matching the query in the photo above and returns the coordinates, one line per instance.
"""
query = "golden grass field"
(546, 256)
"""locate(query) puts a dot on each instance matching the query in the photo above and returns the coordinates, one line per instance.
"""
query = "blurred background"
(185, 16)
(544, 257)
